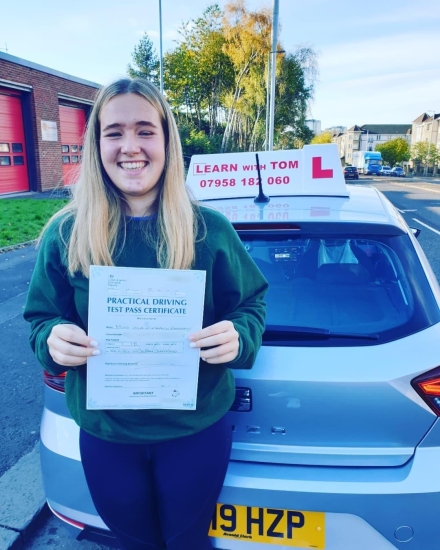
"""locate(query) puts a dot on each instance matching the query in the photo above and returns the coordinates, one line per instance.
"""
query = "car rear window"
(341, 290)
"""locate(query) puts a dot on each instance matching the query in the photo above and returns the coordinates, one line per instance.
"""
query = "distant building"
(367, 137)
(426, 128)
(314, 125)
(43, 115)
(335, 130)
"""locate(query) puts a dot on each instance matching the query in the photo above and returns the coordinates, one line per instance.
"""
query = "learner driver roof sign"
(314, 170)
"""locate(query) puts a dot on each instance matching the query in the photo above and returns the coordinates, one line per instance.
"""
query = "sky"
(378, 60)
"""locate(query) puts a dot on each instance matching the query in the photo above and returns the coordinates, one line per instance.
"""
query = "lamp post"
(268, 96)
(429, 142)
(160, 47)
(273, 67)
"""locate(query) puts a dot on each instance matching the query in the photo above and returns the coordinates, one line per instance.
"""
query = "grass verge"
(21, 220)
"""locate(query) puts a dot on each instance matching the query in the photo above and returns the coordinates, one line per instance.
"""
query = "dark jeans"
(159, 495)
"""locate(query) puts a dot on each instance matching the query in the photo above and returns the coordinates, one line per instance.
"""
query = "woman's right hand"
(70, 346)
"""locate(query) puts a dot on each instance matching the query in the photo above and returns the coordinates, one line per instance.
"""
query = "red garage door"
(13, 163)
(72, 126)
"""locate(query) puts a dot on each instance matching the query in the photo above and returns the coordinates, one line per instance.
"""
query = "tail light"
(70, 521)
(56, 382)
(427, 386)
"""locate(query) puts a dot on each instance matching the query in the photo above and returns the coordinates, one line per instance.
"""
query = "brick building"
(43, 113)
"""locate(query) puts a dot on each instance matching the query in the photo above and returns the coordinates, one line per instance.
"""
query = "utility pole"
(268, 103)
(266, 141)
(273, 53)
(160, 47)
(429, 142)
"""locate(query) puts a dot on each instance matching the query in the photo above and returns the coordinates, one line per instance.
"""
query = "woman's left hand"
(221, 338)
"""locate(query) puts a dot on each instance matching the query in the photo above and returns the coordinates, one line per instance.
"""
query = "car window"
(342, 290)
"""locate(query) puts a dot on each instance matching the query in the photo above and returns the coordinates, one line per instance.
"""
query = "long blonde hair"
(97, 206)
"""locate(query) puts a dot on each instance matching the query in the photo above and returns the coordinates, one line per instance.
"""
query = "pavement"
(408, 179)
(22, 500)
(23, 504)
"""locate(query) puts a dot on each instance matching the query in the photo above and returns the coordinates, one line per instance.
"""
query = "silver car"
(385, 171)
(336, 428)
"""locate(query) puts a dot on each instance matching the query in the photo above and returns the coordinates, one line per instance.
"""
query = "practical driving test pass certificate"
(141, 319)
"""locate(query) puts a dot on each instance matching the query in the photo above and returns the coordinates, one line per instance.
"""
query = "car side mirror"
(416, 231)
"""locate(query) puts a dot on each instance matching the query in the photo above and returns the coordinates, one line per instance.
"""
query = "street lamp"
(429, 142)
(273, 53)
(160, 47)
(268, 97)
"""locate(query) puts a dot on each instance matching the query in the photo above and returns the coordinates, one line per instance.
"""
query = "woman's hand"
(70, 346)
(221, 338)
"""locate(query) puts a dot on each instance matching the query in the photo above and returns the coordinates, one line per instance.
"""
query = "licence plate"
(269, 525)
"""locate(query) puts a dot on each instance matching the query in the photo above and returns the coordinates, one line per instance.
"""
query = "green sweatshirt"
(235, 289)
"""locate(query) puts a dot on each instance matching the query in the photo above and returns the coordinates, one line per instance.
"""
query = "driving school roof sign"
(313, 170)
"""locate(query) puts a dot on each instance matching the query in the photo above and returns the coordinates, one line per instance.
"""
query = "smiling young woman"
(132, 147)
(154, 475)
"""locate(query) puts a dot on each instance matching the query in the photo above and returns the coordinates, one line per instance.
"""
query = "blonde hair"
(97, 206)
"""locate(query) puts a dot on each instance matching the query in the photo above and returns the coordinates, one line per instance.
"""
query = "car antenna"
(261, 198)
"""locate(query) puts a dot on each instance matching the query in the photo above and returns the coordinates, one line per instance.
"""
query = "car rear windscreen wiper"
(285, 332)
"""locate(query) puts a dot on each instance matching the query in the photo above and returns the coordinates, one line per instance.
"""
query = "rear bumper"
(365, 507)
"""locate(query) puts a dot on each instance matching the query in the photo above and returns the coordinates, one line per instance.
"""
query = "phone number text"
(232, 182)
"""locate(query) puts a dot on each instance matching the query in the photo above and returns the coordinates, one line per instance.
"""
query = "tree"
(145, 61)
(320, 139)
(194, 142)
(215, 80)
(198, 73)
(294, 91)
(423, 153)
(247, 44)
(394, 151)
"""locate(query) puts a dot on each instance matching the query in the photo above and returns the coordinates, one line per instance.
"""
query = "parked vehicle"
(398, 172)
(336, 428)
(384, 171)
(351, 172)
(367, 162)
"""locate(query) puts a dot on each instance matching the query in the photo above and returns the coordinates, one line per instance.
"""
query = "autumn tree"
(247, 44)
(394, 151)
(215, 80)
(145, 61)
(320, 139)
